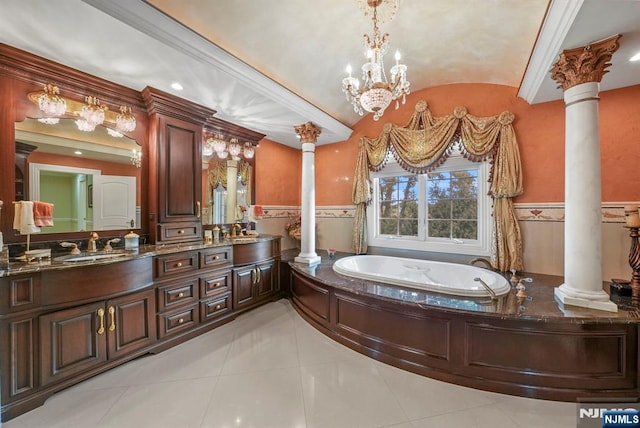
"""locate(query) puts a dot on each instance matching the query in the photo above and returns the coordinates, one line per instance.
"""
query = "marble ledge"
(540, 304)
(58, 262)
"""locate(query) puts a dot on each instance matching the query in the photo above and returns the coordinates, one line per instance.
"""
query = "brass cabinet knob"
(180, 294)
(179, 264)
(181, 320)
(218, 307)
(180, 232)
(216, 257)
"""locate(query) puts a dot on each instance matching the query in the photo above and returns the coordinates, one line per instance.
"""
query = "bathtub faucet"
(486, 262)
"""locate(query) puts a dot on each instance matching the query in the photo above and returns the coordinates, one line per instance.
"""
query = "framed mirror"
(228, 190)
(91, 179)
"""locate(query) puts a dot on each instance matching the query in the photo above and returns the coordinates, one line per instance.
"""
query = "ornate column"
(308, 134)
(578, 72)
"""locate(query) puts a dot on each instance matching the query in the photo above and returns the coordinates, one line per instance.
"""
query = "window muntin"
(454, 211)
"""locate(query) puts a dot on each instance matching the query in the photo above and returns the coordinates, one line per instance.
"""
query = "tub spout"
(486, 287)
(486, 262)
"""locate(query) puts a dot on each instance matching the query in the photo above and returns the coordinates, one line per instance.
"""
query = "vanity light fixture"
(125, 121)
(216, 144)
(91, 115)
(52, 104)
(136, 157)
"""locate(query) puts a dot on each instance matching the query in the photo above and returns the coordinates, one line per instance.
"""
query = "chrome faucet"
(92, 245)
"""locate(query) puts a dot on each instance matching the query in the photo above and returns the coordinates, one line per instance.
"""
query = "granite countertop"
(65, 260)
(539, 304)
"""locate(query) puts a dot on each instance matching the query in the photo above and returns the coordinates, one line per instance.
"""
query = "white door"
(114, 202)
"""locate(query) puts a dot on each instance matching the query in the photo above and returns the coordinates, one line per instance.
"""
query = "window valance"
(425, 142)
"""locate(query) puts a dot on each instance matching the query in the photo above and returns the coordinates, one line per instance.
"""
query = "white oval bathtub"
(439, 277)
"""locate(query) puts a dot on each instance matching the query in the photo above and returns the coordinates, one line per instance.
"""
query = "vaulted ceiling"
(269, 65)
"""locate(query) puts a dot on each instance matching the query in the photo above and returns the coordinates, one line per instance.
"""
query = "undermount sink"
(89, 257)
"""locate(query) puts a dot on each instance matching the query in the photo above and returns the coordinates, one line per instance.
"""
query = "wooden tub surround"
(532, 349)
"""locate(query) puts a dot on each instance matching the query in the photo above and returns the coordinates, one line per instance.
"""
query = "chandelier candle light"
(376, 92)
(52, 104)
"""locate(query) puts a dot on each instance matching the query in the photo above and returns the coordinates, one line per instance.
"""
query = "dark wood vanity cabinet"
(175, 166)
(80, 338)
(194, 288)
(255, 275)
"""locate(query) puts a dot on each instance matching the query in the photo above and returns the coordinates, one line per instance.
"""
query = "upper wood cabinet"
(175, 166)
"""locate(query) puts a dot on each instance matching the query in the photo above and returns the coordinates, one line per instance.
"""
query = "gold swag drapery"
(218, 175)
(425, 143)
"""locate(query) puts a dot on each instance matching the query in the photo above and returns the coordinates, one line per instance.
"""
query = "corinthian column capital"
(308, 132)
(584, 64)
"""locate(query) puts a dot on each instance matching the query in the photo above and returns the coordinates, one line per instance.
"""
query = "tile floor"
(269, 368)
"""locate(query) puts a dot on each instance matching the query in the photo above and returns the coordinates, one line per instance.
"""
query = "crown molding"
(557, 23)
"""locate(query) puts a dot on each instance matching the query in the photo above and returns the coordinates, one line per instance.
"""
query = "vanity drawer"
(178, 232)
(213, 308)
(215, 283)
(216, 257)
(178, 320)
(178, 293)
(175, 264)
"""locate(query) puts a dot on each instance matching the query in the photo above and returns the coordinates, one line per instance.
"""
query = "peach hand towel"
(42, 214)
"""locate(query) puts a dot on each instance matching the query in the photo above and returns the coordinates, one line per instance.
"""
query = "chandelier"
(51, 104)
(216, 144)
(91, 115)
(377, 92)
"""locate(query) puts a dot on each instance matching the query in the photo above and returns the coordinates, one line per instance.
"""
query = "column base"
(596, 301)
(308, 260)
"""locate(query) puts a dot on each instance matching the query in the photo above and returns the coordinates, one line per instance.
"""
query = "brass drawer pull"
(179, 264)
(217, 284)
(101, 319)
(180, 295)
(180, 232)
(216, 257)
(181, 320)
(218, 307)
(112, 325)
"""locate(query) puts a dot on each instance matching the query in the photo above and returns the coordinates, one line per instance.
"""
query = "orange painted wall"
(539, 129)
(107, 168)
(278, 171)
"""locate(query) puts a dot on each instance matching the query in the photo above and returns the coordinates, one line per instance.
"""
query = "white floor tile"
(72, 408)
(269, 368)
(170, 404)
(348, 393)
(260, 399)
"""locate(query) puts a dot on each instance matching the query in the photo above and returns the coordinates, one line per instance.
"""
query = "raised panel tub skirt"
(528, 347)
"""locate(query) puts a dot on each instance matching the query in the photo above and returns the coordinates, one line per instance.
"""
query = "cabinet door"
(72, 341)
(131, 323)
(266, 281)
(179, 171)
(244, 280)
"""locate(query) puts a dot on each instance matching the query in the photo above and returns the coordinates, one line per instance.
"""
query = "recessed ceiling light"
(636, 57)
(78, 152)
(177, 86)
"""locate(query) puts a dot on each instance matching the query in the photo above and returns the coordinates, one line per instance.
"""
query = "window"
(446, 210)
